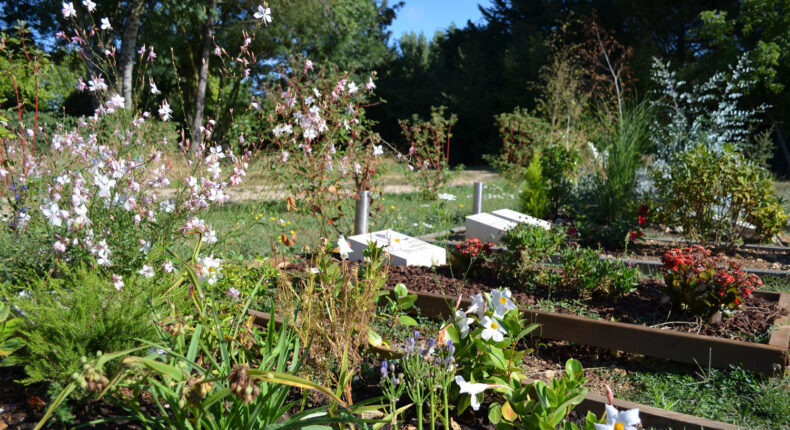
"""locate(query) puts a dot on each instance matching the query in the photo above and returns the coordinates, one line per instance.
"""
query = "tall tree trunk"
(128, 42)
(200, 96)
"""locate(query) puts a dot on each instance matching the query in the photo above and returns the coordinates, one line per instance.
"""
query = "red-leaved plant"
(703, 284)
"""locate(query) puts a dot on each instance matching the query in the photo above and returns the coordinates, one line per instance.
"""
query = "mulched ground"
(646, 305)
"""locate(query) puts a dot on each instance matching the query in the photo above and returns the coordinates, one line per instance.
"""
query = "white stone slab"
(487, 227)
(519, 217)
(403, 250)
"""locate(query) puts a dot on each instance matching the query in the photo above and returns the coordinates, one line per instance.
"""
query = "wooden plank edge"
(667, 344)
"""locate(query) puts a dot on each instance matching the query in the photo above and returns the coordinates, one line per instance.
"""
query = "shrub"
(522, 135)
(586, 273)
(712, 195)
(529, 248)
(429, 150)
(534, 200)
(471, 255)
(327, 151)
(703, 284)
(80, 314)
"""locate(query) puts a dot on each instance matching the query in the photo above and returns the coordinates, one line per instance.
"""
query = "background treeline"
(477, 71)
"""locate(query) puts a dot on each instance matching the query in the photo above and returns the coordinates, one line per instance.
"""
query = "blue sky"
(431, 15)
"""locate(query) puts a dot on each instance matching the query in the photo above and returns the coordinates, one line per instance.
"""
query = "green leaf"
(374, 338)
(407, 320)
(157, 366)
(401, 290)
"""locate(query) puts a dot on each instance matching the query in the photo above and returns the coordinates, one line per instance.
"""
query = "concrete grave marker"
(519, 217)
(403, 250)
(487, 227)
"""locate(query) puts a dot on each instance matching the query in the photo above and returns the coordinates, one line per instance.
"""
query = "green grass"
(406, 213)
(734, 396)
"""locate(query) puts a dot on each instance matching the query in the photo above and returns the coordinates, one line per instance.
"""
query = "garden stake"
(361, 218)
(477, 206)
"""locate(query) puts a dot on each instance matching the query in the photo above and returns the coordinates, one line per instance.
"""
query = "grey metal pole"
(363, 209)
(477, 207)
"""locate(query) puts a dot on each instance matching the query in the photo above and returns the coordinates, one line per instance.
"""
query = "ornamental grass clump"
(705, 285)
(336, 303)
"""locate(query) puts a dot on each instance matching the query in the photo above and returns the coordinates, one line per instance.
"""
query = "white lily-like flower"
(473, 389)
(345, 247)
(89, 5)
(478, 305)
(462, 322)
(493, 330)
(209, 269)
(377, 150)
(616, 420)
(502, 302)
(105, 24)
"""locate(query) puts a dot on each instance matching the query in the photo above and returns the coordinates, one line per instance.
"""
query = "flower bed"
(437, 289)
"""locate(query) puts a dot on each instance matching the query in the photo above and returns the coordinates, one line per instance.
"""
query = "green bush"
(80, 314)
(711, 195)
(534, 198)
(529, 249)
(586, 273)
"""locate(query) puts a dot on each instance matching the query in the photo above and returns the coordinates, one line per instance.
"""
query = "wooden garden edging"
(651, 416)
(653, 342)
(647, 267)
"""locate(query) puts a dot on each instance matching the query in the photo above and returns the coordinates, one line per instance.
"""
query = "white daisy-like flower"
(493, 329)
(616, 420)
(264, 13)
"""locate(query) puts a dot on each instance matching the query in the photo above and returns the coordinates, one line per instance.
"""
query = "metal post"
(478, 202)
(363, 208)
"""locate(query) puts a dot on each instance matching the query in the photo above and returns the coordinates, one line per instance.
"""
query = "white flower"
(91, 6)
(117, 282)
(377, 150)
(493, 330)
(68, 10)
(473, 389)
(233, 293)
(145, 246)
(478, 305)
(502, 302)
(165, 112)
(370, 85)
(264, 13)
(209, 268)
(60, 246)
(462, 322)
(625, 420)
(210, 237)
(54, 214)
(446, 196)
(315, 270)
(146, 272)
(105, 24)
(344, 246)
(168, 267)
(154, 89)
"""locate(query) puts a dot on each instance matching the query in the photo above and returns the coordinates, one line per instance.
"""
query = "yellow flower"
(273, 219)
(289, 223)
(392, 207)
(460, 206)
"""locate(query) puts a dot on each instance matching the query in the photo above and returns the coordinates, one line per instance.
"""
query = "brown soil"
(645, 306)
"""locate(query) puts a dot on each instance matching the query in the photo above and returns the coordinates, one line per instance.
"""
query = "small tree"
(429, 149)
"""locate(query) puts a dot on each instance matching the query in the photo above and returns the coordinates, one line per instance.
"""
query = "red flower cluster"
(473, 246)
(705, 284)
